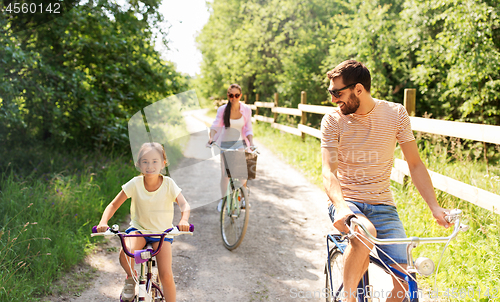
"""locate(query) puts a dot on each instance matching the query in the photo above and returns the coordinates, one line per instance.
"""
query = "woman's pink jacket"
(218, 124)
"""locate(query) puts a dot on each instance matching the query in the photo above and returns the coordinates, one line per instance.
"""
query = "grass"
(52, 194)
(47, 218)
(49, 201)
(471, 263)
(76, 282)
(46, 221)
(305, 156)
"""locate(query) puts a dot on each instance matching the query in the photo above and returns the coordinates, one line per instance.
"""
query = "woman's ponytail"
(227, 115)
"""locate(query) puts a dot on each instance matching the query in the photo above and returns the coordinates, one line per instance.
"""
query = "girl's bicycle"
(149, 281)
(235, 209)
(334, 267)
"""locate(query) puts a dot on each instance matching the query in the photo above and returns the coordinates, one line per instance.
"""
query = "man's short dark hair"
(352, 72)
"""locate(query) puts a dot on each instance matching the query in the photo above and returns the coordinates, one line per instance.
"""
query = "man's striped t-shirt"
(365, 148)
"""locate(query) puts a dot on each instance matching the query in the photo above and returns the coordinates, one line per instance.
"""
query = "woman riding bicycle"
(151, 211)
(232, 128)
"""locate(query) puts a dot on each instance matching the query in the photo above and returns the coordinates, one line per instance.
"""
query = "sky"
(186, 18)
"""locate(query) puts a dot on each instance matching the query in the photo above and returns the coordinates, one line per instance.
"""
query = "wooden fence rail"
(477, 132)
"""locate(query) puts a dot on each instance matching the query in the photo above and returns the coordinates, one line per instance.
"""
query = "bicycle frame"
(412, 242)
(233, 217)
(146, 284)
(144, 257)
(364, 282)
(232, 180)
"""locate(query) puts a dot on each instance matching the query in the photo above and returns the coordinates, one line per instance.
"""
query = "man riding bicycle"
(357, 146)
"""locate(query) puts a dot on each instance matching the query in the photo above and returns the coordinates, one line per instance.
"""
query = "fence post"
(275, 105)
(303, 119)
(256, 107)
(409, 101)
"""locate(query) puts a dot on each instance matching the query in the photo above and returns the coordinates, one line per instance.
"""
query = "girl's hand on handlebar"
(183, 226)
(101, 228)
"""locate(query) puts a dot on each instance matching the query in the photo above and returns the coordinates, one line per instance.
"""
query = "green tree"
(267, 46)
(458, 58)
(447, 49)
(77, 79)
(369, 31)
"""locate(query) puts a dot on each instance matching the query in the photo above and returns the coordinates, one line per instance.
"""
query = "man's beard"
(351, 106)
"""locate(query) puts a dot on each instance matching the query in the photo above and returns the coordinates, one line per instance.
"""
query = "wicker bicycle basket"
(251, 164)
(239, 168)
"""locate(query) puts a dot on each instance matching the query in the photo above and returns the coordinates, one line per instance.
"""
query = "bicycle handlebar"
(115, 232)
(255, 151)
(453, 217)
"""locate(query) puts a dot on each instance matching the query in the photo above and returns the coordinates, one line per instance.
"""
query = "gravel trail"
(281, 258)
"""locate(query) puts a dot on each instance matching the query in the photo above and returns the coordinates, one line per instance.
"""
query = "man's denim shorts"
(386, 220)
(148, 239)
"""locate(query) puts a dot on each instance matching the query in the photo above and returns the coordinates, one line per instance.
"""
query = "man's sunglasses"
(233, 95)
(335, 93)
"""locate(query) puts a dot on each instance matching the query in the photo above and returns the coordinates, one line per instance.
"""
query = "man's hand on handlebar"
(340, 219)
(440, 216)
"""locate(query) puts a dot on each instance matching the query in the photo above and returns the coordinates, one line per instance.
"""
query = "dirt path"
(281, 256)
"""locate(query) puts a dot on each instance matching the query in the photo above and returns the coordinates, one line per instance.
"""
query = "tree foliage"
(457, 66)
(448, 49)
(266, 46)
(76, 79)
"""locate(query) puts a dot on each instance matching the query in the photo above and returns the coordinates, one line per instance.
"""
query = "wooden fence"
(477, 132)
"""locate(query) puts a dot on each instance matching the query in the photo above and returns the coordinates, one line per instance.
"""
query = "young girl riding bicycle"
(151, 211)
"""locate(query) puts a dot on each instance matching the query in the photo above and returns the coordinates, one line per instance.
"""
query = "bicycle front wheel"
(234, 218)
(156, 293)
(334, 276)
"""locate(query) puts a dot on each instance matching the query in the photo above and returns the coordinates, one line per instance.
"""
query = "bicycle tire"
(335, 273)
(234, 221)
